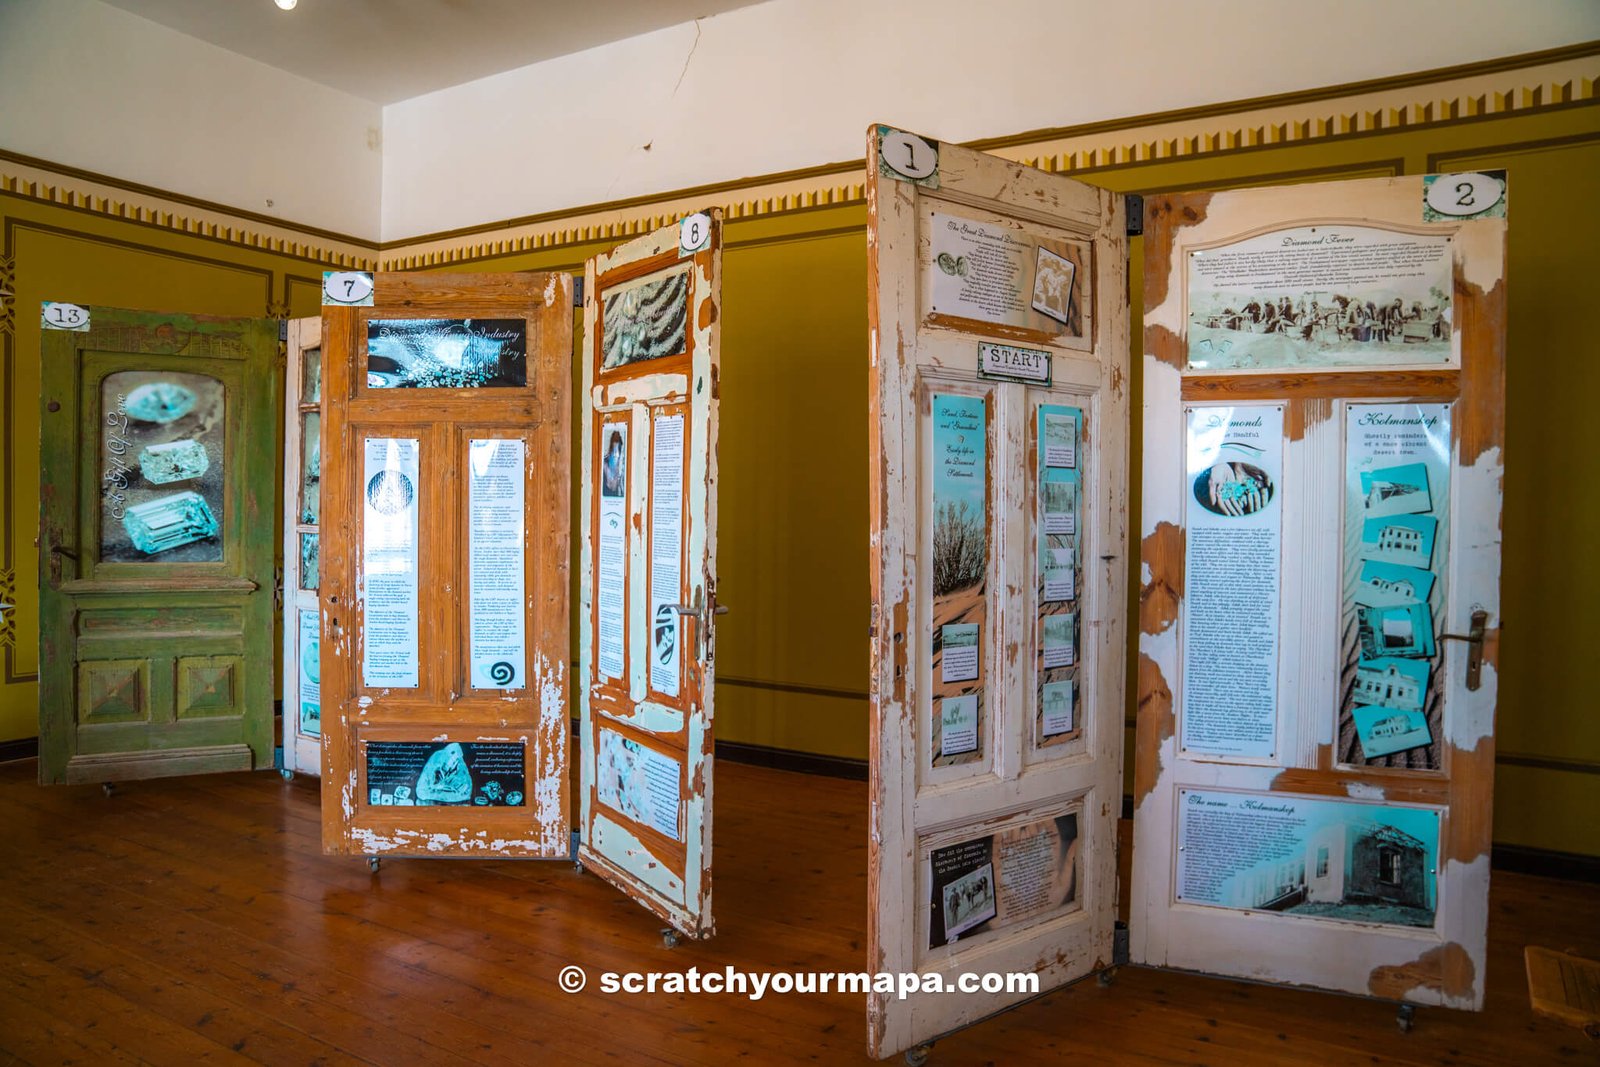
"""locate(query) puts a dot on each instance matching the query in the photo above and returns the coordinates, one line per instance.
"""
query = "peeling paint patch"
(1445, 969)
(1161, 557)
(1164, 216)
(1156, 725)
(1164, 346)
(623, 849)
(1302, 416)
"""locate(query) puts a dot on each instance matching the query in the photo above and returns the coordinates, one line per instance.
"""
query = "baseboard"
(785, 759)
(21, 748)
(1545, 862)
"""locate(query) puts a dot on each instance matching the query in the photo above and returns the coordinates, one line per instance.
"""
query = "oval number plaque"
(55, 315)
(694, 233)
(348, 287)
(908, 155)
(1464, 195)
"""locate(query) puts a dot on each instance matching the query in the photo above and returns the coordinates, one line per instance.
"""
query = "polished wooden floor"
(196, 920)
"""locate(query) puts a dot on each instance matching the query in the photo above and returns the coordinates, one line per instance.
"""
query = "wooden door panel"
(445, 405)
(156, 546)
(646, 655)
(1339, 438)
(302, 512)
(998, 324)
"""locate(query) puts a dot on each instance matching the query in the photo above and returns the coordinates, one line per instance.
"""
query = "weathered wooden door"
(302, 491)
(999, 329)
(1324, 376)
(444, 566)
(157, 523)
(649, 581)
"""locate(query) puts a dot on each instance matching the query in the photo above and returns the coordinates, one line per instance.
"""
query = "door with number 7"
(444, 566)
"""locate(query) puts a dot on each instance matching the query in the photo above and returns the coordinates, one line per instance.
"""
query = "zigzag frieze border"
(1174, 140)
(66, 195)
(1318, 121)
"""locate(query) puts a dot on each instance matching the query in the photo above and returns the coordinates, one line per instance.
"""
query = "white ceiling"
(389, 50)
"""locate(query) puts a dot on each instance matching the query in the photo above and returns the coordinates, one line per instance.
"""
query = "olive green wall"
(792, 656)
(55, 252)
(792, 476)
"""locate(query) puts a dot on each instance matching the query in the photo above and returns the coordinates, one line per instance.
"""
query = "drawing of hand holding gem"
(1237, 489)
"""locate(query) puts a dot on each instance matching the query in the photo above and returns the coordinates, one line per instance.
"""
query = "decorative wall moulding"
(1519, 85)
(1540, 82)
(45, 182)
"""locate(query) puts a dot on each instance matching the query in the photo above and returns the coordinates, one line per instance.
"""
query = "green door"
(157, 523)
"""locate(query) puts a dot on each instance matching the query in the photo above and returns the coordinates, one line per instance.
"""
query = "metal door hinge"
(577, 290)
(1135, 204)
(1474, 639)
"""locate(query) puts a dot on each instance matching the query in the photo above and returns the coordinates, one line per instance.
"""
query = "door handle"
(702, 633)
(56, 554)
(1474, 639)
(695, 612)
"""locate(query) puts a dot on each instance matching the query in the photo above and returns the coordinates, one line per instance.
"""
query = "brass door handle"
(1474, 639)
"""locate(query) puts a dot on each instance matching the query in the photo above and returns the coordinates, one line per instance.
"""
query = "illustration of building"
(1399, 586)
(1400, 539)
(1382, 492)
(1343, 863)
(1272, 886)
(1387, 686)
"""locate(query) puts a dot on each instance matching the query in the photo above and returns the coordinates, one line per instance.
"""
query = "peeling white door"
(999, 343)
(445, 566)
(1324, 410)
(302, 499)
(648, 612)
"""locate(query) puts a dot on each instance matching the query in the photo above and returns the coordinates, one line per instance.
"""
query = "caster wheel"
(1106, 977)
(286, 774)
(916, 1057)
(107, 788)
(373, 863)
(577, 865)
(670, 937)
(1405, 1018)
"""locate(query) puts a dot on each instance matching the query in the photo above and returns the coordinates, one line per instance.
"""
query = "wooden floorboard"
(196, 920)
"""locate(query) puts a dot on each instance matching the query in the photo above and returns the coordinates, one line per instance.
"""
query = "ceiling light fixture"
(286, 5)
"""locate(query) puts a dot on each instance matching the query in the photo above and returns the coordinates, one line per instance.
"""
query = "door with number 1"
(998, 316)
